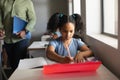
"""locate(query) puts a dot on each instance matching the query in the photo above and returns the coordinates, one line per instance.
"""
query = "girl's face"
(67, 31)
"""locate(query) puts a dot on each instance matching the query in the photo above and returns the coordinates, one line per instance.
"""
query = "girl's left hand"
(79, 57)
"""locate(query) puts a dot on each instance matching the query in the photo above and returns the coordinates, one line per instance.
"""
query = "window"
(110, 17)
(70, 7)
(100, 19)
(74, 6)
(97, 18)
(77, 6)
(93, 16)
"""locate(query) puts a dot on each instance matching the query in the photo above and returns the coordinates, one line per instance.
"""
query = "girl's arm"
(82, 54)
(51, 54)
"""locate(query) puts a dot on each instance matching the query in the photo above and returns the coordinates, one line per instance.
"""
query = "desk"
(37, 48)
(102, 73)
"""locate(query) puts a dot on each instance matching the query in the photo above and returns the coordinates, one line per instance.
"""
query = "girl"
(67, 49)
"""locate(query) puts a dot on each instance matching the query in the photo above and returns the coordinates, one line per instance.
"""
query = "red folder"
(75, 67)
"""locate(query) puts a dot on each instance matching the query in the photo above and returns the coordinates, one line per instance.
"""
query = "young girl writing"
(67, 49)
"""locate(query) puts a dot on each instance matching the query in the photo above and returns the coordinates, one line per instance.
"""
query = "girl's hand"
(79, 57)
(67, 59)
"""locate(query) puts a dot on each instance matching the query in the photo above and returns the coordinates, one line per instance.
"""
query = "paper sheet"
(31, 63)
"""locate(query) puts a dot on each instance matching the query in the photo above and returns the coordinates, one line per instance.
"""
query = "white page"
(31, 63)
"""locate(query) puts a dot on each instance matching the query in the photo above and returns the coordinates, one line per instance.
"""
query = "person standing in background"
(16, 46)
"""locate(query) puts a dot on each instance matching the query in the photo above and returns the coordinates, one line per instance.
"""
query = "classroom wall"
(109, 56)
(44, 9)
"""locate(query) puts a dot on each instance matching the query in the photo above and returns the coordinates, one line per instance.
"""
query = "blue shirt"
(74, 46)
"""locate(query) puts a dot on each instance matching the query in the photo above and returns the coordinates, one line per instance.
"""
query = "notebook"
(18, 25)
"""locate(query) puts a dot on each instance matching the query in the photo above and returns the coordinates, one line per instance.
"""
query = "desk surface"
(37, 45)
(102, 73)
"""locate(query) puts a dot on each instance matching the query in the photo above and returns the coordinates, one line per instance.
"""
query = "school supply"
(75, 67)
(19, 25)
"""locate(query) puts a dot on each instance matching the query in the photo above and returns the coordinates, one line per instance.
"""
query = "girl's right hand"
(67, 59)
